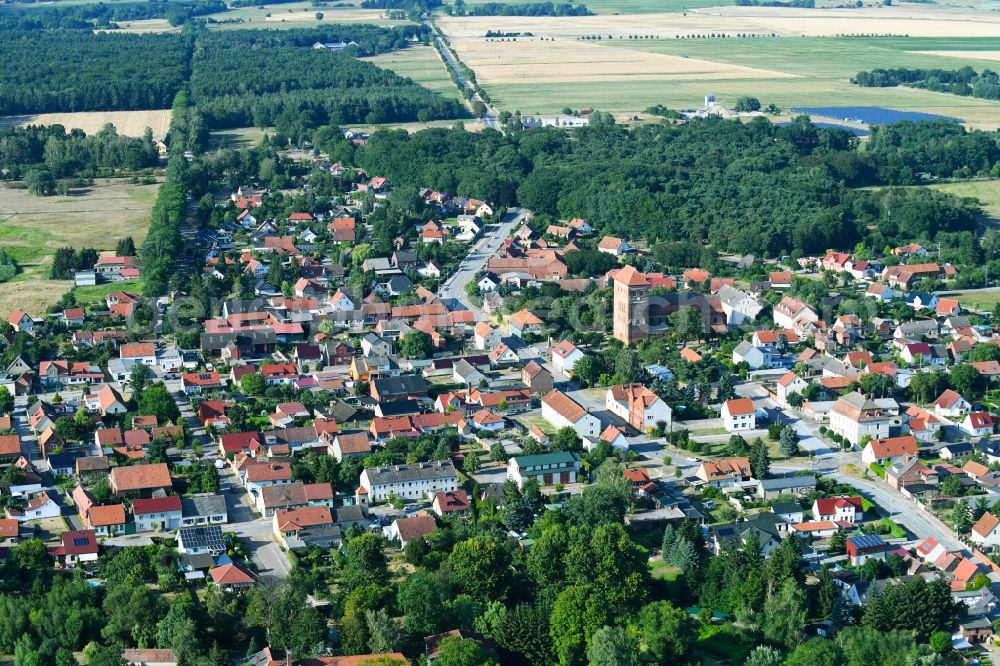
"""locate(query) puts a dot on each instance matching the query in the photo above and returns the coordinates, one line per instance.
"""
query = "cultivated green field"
(423, 65)
(822, 67)
(633, 6)
(987, 191)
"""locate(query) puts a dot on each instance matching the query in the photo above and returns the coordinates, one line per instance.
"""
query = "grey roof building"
(409, 481)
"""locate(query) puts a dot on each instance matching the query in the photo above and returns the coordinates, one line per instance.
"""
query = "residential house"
(724, 471)
(143, 479)
(791, 313)
(951, 404)
(739, 307)
(986, 531)
(884, 451)
(78, 547)
(198, 540)
(565, 355)
(546, 468)
(978, 424)
(739, 415)
(862, 548)
(640, 407)
(204, 509)
(524, 322)
(775, 487)
(407, 530)
(234, 579)
(838, 509)
(538, 380)
(157, 514)
(854, 416)
(410, 481)
(349, 445)
(789, 384)
(561, 411)
(455, 503)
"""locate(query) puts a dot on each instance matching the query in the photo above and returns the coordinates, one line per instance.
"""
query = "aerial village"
(316, 388)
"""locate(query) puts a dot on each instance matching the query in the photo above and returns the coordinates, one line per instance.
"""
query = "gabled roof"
(230, 574)
(891, 447)
(563, 405)
(986, 524)
(740, 406)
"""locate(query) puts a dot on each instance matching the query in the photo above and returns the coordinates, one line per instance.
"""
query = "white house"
(341, 302)
(561, 411)
(738, 306)
(986, 531)
(409, 481)
(747, 353)
(488, 282)
(485, 336)
(159, 513)
(565, 355)
(638, 405)
(739, 415)
(486, 421)
(788, 384)
(789, 313)
(951, 403)
(546, 468)
(842, 509)
(854, 416)
(884, 451)
(978, 424)
(37, 508)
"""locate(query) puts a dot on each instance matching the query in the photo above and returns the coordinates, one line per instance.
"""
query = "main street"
(452, 290)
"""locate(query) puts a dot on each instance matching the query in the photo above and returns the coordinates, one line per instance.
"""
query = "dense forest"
(101, 15)
(527, 9)
(66, 71)
(239, 78)
(752, 187)
(964, 81)
(297, 89)
(72, 154)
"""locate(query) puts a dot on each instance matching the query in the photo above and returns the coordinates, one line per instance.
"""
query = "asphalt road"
(452, 290)
(490, 119)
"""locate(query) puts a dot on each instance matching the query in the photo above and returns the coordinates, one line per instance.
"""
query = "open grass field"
(987, 191)
(31, 228)
(147, 26)
(128, 123)
(239, 137)
(423, 65)
(977, 300)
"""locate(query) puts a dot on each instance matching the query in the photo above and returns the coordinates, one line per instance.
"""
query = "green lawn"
(822, 65)
(987, 191)
(977, 300)
(97, 293)
(664, 570)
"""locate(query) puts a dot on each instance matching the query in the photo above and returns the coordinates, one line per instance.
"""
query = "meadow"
(297, 15)
(31, 228)
(423, 65)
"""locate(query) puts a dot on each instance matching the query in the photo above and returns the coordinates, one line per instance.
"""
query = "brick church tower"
(631, 306)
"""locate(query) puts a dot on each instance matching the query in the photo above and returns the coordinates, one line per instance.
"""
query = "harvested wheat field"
(33, 296)
(783, 21)
(497, 62)
(127, 123)
(147, 26)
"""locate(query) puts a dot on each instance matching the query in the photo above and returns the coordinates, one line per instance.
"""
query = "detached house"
(854, 416)
(986, 531)
(789, 384)
(638, 405)
(546, 468)
(725, 470)
(565, 355)
(883, 451)
(739, 415)
(950, 403)
(838, 509)
(561, 411)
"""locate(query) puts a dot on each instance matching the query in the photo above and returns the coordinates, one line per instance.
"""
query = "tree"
(764, 655)
(577, 613)
(157, 401)
(784, 614)
(416, 345)
(816, 652)
(940, 642)
(745, 103)
(456, 651)
(612, 646)
(252, 384)
(565, 439)
(788, 441)
(125, 247)
(523, 631)
(760, 459)
(480, 567)
(687, 323)
(6, 401)
(668, 632)
(588, 370)
(138, 379)
(384, 634)
(497, 453)
(877, 385)
(966, 380)
(950, 486)
(365, 561)
(628, 367)
(470, 464)
(598, 504)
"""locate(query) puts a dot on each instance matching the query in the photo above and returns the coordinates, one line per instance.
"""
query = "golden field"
(127, 123)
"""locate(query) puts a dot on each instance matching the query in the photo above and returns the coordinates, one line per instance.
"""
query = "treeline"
(61, 71)
(67, 260)
(401, 4)
(73, 154)
(527, 9)
(750, 188)
(300, 89)
(964, 81)
(101, 15)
